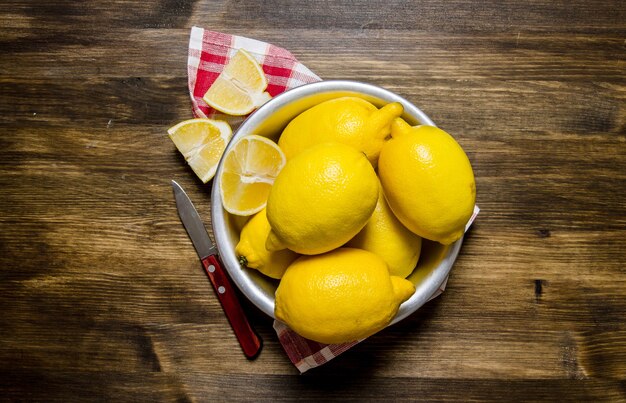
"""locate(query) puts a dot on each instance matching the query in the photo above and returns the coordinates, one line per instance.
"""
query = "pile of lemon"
(338, 207)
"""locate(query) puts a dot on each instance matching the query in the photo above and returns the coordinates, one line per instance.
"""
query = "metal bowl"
(436, 260)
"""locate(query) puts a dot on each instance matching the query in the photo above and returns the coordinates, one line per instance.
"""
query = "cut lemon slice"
(244, 69)
(202, 142)
(248, 172)
(239, 89)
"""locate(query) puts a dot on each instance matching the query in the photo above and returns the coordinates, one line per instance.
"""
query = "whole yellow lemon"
(251, 249)
(348, 120)
(340, 296)
(385, 236)
(321, 199)
(428, 181)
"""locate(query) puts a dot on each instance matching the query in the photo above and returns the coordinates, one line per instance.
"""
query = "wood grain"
(103, 297)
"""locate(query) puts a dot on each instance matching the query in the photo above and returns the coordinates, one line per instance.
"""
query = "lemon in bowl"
(321, 199)
(270, 120)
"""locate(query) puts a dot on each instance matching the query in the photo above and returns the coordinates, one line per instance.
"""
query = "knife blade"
(248, 339)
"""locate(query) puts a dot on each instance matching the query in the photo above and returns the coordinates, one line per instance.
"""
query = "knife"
(248, 339)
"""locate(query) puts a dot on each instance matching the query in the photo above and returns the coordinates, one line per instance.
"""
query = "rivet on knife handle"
(248, 339)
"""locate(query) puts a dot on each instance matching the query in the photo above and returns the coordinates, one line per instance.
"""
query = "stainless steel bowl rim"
(424, 291)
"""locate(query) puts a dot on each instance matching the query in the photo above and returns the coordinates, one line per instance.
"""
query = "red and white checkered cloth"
(209, 52)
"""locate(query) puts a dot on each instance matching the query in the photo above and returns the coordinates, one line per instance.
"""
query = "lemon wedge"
(202, 142)
(240, 87)
(248, 173)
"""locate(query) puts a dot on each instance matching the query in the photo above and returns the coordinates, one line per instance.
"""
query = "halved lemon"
(202, 142)
(248, 173)
(239, 89)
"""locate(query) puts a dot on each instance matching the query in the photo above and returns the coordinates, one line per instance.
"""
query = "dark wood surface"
(103, 297)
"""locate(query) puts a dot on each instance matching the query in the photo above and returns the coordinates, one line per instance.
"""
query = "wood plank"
(456, 16)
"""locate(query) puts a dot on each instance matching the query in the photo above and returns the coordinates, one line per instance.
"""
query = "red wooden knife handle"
(248, 339)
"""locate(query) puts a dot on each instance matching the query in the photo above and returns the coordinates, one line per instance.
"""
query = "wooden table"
(103, 297)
